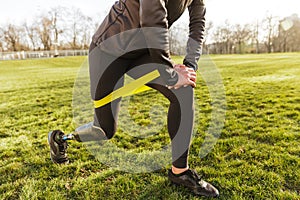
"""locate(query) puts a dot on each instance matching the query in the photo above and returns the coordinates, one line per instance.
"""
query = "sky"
(235, 11)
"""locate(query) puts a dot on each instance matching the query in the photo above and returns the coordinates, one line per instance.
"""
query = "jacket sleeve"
(154, 24)
(197, 12)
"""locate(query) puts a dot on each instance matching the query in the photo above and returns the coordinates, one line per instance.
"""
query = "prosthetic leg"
(86, 133)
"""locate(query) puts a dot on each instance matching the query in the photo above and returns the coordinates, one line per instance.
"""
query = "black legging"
(107, 74)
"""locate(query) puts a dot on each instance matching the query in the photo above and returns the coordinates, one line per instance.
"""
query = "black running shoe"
(191, 180)
(58, 147)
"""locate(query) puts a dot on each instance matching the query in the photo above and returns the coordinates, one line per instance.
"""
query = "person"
(134, 35)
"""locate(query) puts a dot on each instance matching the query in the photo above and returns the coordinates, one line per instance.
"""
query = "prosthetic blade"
(89, 132)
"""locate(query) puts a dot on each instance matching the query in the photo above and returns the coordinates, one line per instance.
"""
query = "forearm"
(197, 11)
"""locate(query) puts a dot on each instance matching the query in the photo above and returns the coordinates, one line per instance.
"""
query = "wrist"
(190, 65)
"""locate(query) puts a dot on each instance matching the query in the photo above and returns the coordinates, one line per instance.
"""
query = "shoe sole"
(194, 191)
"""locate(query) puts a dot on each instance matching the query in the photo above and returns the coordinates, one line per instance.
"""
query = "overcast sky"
(236, 11)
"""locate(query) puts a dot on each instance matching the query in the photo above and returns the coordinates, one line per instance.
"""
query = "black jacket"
(145, 23)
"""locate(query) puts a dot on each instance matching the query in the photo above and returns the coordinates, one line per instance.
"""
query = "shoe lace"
(195, 175)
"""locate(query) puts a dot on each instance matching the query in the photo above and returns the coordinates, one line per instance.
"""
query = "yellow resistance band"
(134, 87)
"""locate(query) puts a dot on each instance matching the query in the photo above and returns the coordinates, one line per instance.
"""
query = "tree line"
(271, 34)
(64, 28)
(60, 28)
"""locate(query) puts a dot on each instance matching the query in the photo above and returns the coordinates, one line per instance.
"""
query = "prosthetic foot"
(58, 141)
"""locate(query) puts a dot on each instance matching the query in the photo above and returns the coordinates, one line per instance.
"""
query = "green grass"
(256, 157)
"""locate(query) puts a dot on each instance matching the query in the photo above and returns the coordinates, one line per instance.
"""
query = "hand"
(186, 77)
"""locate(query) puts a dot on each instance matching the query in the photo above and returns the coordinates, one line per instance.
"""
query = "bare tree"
(256, 36)
(208, 27)
(44, 31)
(2, 39)
(11, 36)
(270, 25)
(241, 35)
(288, 34)
(1, 47)
(294, 32)
(57, 16)
(178, 36)
(77, 19)
(223, 39)
(32, 34)
(87, 32)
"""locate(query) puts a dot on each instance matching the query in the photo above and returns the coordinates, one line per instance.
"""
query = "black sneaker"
(58, 147)
(191, 180)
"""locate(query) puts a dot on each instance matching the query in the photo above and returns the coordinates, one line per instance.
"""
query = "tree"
(87, 33)
(241, 35)
(32, 34)
(1, 39)
(270, 25)
(288, 34)
(57, 16)
(11, 36)
(178, 36)
(1, 43)
(77, 19)
(208, 27)
(255, 32)
(223, 39)
(44, 31)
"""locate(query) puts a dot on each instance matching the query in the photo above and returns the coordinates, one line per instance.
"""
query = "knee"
(184, 95)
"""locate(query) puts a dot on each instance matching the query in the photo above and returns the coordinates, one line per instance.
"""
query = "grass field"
(256, 157)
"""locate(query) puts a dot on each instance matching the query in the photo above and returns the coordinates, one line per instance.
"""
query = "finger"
(192, 83)
(193, 78)
(193, 73)
(183, 73)
(188, 82)
(190, 69)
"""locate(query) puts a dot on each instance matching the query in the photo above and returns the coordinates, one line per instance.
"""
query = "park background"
(232, 26)
(257, 56)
